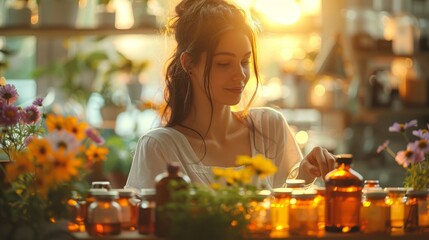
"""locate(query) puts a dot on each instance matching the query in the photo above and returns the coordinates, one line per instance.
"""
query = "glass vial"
(303, 213)
(416, 212)
(396, 200)
(146, 218)
(259, 212)
(128, 204)
(280, 211)
(320, 202)
(375, 212)
(104, 215)
(343, 196)
(163, 188)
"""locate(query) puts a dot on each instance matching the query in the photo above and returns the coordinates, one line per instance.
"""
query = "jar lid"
(101, 184)
(106, 195)
(146, 193)
(399, 190)
(125, 192)
(93, 191)
(344, 158)
(319, 190)
(282, 192)
(376, 194)
(295, 183)
(417, 193)
(304, 194)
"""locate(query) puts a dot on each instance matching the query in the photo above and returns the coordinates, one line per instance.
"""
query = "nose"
(241, 73)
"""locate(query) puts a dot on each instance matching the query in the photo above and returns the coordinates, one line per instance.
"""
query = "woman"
(206, 76)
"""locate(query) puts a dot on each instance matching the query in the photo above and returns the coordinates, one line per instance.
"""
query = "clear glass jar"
(129, 208)
(396, 200)
(104, 215)
(146, 217)
(259, 212)
(416, 212)
(303, 213)
(343, 196)
(375, 212)
(280, 211)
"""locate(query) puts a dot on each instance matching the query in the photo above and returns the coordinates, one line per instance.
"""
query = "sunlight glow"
(286, 12)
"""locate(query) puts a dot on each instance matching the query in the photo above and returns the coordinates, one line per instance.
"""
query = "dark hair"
(197, 27)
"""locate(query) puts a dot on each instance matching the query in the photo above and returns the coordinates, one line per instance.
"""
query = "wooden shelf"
(68, 32)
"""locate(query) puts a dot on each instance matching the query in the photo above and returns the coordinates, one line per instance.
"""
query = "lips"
(235, 90)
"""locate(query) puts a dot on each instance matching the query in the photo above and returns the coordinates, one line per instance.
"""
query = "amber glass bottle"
(166, 183)
(343, 197)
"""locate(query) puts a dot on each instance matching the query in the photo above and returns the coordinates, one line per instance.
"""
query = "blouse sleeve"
(288, 155)
(148, 161)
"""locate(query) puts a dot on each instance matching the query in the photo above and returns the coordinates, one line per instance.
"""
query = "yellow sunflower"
(23, 163)
(264, 167)
(96, 154)
(55, 122)
(64, 166)
(40, 149)
(72, 125)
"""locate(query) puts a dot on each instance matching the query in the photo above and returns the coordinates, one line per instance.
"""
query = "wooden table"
(133, 235)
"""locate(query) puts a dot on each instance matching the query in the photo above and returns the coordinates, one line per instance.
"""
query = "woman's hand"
(317, 163)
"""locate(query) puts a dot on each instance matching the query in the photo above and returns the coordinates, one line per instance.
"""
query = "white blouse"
(273, 139)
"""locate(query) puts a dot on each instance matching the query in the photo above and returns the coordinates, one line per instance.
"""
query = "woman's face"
(230, 68)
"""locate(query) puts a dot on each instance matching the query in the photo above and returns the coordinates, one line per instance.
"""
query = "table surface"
(133, 235)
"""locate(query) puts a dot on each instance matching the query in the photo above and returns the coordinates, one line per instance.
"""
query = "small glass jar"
(295, 183)
(280, 211)
(101, 184)
(416, 212)
(370, 185)
(303, 213)
(90, 198)
(129, 208)
(396, 200)
(104, 215)
(320, 202)
(146, 212)
(375, 212)
(259, 212)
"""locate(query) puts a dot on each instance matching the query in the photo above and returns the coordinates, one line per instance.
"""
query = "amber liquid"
(343, 200)
(105, 229)
(146, 221)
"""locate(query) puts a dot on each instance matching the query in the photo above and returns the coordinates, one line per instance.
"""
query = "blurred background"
(341, 71)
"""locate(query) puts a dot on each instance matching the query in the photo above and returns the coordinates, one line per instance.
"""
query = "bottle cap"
(282, 192)
(125, 192)
(344, 158)
(295, 183)
(375, 194)
(173, 168)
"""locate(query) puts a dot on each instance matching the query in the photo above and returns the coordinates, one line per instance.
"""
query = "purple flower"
(38, 102)
(94, 135)
(422, 133)
(9, 93)
(411, 155)
(422, 145)
(399, 127)
(30, 115)
(383, 146)
(9, 115)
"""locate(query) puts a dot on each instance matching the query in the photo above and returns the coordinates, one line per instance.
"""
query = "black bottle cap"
(344, 158)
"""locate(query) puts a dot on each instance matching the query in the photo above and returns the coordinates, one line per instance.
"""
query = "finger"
(310, 168)
(320, 160)
(330, 160)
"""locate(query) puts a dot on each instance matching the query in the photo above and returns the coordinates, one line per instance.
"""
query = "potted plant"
(55, 13)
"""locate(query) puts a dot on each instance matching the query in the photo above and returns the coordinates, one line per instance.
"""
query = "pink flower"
(94, 135)
(409, 156)
(399, 127)
(9, 93)
(9, 115)
(30, 115)
(383, 146)
(63, 140)
(422, 145)
(38, 102)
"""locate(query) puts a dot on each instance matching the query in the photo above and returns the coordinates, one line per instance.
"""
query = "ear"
(185, 61)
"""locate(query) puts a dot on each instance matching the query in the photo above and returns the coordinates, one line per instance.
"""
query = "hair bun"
(185, 5)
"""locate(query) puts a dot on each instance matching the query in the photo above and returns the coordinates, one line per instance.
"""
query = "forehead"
(234, 42)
